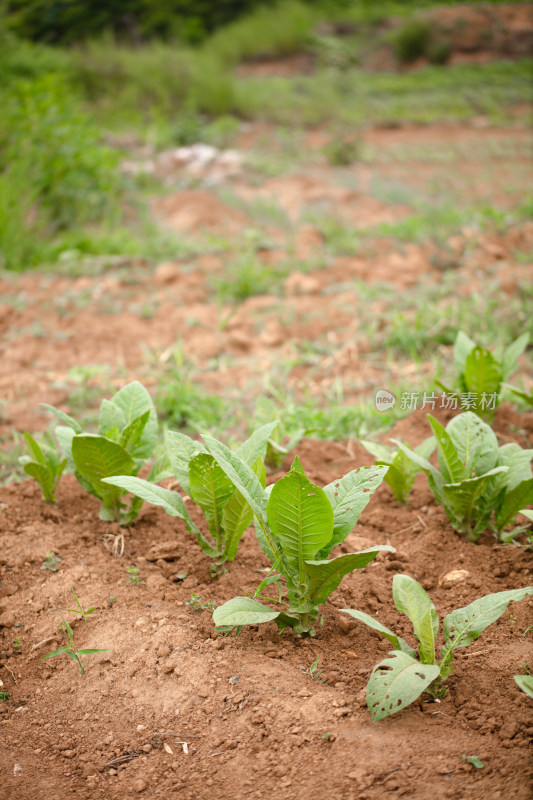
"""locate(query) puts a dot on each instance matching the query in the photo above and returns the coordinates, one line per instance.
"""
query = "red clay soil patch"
(254, 723)
(194, 211)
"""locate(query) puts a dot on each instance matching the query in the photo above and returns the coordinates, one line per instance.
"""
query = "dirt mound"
(196, 211)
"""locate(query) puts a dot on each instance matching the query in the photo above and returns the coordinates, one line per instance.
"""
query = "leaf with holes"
(396, 682)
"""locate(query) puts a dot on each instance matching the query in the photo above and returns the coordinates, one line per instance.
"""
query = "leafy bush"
(480, 373)
(402, 471)
(478, 483)
(127, 435)
(226, 510)
(297, 524)
(43, 464)
(399, 680)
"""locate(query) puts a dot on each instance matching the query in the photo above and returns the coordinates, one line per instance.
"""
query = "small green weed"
(51, 562)
(134, 576)
(69, 649)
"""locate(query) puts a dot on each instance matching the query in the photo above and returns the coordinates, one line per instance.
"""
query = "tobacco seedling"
(45, 465)
(69, 649)
(402, 471)
(79, 610)
(135, 577)
(127, 435)
(525, 682)
(474, 760)
(480, 374)
(51, 562)
(226, 510)
(478, 483)
(297, 525)
(314, 672)
(400, 679)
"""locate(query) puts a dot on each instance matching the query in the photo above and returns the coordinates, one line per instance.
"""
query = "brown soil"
(254, 723)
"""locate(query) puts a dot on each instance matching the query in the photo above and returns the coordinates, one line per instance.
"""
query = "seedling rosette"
(297, 524)
(400, 679)
(127, 435)
(477, 483)
(480, 374)
(227, 511)
(402, 470)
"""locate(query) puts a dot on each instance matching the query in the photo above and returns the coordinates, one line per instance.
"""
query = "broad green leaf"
(34, 449)
(134, 400)
(411, 599)
(64, 418)
(301, 518)
(525, 682)
(243, 611)
(111, 418)
(512, 354)
(401, 480)
(397, 642)
(481, 373)
(475, 442)
(64, 436)
(96, 457)
(526, 512)
(348, 497)
(131, 435)
(426, 448)
(241, 475)
(180, 450)
(450, 463)
(237, 514)
(513, 501)
(462, 347)
(325, 576)
(379, 451)
(470, 505)
(396, 682)
(422, 462)
(464, 625)
(256, 445)
(519, 462)
(210, 489)
(170, 501)
(44, 478)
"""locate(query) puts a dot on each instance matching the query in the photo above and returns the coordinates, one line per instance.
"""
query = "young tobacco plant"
(402, 471)
(480, 374)
(127, 435)
(297, 524)
(400, 679)
(45, 465)
(478, 483)
(226, 510)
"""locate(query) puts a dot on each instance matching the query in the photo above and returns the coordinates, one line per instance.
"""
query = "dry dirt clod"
(453, 577)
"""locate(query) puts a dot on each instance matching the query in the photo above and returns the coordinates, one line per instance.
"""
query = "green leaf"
(519, 462)
(397, 642)
(525, 682)
(96, 457)
(481, 373)
(512, 354)
(469, 505)
(462, 347)
(237, 515)
(513, 501)
(475, 443)
(379, 451)
(348, 497)
(326, 575)
(210, 489)
(64, 418)
(64, 436)
(396, 682)
(91, 651)
(474, 760)
(464, 625)
(180, 450)
(418, 459)
(411, 599)
(44, 478)
(241, 475)
(131, 435)
(111, 418)
(450, 463)
(35, 451)
(527, 513)
(133, 400)
(55, 653)
(301, 518)
(170, 501)
(256, 445)
(243, 611)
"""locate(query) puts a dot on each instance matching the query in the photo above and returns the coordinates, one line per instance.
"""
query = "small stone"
(7, 620)
(138, 785)
(453, 577)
